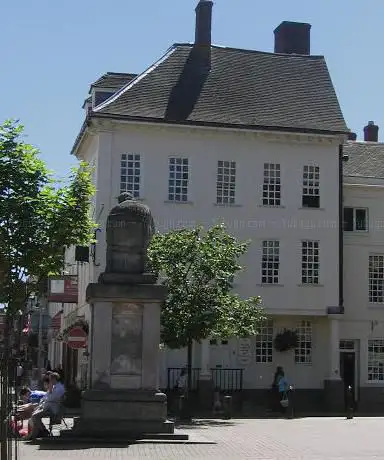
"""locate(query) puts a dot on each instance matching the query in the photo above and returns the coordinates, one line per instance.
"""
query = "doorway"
(348, 368)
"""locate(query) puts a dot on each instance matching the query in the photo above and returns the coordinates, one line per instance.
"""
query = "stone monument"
(123, 399)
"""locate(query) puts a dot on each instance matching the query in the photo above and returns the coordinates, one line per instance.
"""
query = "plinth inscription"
(127, 339)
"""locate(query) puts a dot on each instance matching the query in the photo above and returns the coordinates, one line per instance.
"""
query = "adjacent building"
(256, 140)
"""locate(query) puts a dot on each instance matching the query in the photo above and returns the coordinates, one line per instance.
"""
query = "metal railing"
(227, 380)
(9, 448)
(174, 374)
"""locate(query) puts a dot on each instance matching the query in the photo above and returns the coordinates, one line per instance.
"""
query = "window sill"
(227, 205)
(269, 285)
(178, 202)
(356, 232)
(306, 208)
(310, 285)
(271, 206)
(375, 304)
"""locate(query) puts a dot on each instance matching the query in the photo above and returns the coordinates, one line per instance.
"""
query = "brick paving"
(300, 439)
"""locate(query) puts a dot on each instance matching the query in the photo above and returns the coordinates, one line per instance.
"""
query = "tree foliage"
(38, 217)
(198, 267)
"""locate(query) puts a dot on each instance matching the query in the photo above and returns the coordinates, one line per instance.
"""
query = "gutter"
(339, 310)
(341, 230)
(208, 124)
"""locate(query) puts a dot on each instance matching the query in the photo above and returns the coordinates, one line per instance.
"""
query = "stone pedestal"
(123, 400)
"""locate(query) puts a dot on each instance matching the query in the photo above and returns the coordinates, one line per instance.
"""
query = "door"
(348, 372)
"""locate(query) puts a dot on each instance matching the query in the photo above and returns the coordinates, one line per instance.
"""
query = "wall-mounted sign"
(77, 338)
(244, 351)
(63, 289)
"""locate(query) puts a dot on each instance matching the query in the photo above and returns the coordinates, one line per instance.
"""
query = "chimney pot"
(371, 132)
(293, 38)
(203, 32)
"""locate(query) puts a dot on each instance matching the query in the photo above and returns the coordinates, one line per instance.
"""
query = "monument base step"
(120, 429)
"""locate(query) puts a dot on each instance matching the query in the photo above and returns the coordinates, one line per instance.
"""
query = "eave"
(204, 124)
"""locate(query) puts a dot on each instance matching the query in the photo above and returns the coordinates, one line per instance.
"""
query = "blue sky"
(51, 52)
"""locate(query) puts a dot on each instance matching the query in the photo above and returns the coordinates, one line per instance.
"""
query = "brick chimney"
(371, 132)
(352, 136)
(203, 32)
(293, 38)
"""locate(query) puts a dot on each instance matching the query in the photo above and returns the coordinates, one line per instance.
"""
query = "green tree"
(199, 267)
(39, 218)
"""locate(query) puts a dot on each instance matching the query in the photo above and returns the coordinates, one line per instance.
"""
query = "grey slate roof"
(365, 159)
(243, 88)
(113, 80)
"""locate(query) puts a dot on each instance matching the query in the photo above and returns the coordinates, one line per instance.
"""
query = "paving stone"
(299, 439)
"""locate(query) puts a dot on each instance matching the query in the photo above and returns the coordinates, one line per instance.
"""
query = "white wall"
(362, 320)
(248, 219)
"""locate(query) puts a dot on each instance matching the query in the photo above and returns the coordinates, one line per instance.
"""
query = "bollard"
(227, 407)
(350, 403)
(184, 408)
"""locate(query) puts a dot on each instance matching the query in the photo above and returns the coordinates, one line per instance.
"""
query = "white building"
(210, 134)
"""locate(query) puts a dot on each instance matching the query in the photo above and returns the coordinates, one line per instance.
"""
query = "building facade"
(257, 141)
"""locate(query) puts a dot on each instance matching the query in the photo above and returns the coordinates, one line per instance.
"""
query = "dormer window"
(101, 96)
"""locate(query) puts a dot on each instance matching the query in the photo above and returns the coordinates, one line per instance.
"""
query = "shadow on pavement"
(202, 423)
(45, 446)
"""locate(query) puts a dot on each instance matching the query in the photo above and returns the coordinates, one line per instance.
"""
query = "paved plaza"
(300, 439)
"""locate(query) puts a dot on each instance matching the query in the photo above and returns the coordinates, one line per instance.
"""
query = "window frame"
(376, 284)
(311, 185)
(375, 367)
(264, 343)
(182, 162)
(228, 185)
(304, 349)
(354, 220)
(269, 256)
(309, 265)
(271, 191)
(136, 158)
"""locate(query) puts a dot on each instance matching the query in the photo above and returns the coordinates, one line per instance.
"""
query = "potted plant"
(286, 340)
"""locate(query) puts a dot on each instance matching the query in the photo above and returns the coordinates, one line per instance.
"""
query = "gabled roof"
(113, 80)
(365, 159)
(242, 88)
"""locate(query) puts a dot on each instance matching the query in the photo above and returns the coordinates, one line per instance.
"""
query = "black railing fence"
(174, 374)
(226, 380)
(9, 442)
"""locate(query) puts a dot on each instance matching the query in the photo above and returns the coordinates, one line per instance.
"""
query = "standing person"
(275, 389)
(283, 387)
(49, 367)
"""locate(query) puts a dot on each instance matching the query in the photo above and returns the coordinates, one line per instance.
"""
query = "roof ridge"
(135, 80)
(120, 73)
(269, 53)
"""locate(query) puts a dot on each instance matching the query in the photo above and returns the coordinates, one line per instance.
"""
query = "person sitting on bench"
(31, 400)
(49, 407)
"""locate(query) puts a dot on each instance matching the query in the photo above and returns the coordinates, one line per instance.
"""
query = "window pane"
(130, 178)
(361, 219)
(264, 343)
(348, 219)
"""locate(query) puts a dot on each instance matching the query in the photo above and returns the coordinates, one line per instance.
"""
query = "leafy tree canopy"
(198, 267)
(38, 217)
